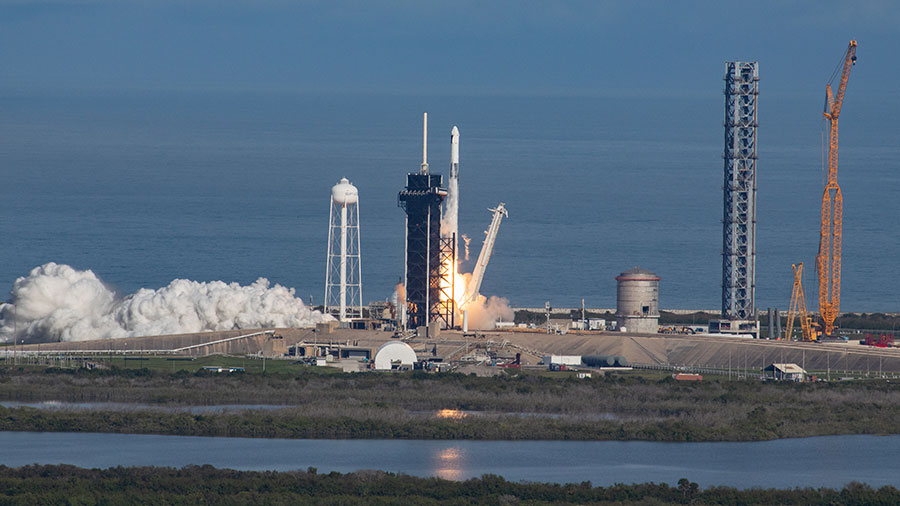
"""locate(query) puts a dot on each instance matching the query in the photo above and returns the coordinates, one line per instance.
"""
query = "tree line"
(64, 484)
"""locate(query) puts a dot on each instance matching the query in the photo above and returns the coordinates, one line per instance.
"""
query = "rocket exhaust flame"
(482, 312)
(453, 285)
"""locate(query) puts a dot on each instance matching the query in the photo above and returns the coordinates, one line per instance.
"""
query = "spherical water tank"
(344, 192)
(393, 354)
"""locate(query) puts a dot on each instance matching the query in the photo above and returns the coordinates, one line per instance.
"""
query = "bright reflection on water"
(449, 463)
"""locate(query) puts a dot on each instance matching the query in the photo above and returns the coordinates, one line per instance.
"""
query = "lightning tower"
(739, 218)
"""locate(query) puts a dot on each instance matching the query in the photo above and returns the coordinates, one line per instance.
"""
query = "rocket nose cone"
(454, 132)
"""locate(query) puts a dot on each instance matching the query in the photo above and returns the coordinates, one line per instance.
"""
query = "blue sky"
(611, 47)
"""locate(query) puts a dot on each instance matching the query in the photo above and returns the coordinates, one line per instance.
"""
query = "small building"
(735, 328)
(558, 362)
(597, 324)
(785, 372)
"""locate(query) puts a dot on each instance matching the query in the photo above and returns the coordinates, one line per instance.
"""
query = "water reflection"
(449, 463)
(827, 461)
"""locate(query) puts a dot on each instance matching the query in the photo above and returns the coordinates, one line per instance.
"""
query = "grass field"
(172, 364)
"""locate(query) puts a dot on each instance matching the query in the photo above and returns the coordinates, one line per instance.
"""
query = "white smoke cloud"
(483, 312)
(58, 303)
(449, 224)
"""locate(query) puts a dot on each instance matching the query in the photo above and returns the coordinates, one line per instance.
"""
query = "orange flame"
(457, 286)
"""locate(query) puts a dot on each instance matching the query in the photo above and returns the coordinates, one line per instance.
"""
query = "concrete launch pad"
(651, 350)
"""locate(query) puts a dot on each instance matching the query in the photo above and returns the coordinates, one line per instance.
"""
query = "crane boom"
(828, 260)
(485, 255)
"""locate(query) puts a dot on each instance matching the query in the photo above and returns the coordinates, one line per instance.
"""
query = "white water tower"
(343, 277)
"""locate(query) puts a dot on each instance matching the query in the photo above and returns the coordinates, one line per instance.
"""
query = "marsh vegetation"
(408, 405)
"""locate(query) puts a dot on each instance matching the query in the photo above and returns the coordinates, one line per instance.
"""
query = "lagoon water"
(146, 187)
(811, 462)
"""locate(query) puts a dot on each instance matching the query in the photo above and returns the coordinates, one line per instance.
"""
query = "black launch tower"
(428, 257)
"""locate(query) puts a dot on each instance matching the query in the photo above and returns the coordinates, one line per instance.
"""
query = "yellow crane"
(828, 260)
(798, 309)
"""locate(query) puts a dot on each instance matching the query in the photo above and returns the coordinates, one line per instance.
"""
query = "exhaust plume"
(467, 240)
(59, 303)
(399, 295)
(483, 312)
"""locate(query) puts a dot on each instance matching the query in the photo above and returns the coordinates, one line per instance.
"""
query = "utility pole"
(583, 320)
(547, 309)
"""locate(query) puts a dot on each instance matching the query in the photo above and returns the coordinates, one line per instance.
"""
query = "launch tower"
(429, 257)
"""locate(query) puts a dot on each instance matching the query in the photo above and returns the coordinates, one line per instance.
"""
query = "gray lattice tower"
(739, 221)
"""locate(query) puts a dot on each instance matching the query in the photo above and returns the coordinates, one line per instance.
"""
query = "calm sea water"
(821, 462)
(147, 187)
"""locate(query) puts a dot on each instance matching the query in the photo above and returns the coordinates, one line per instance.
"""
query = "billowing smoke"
(449, 218)
(483, 312)
(59, 303)
(399, 295)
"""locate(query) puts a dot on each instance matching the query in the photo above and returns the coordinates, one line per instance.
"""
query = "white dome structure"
(393, 354)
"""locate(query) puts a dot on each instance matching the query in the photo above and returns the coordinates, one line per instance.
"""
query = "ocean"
(144, 187)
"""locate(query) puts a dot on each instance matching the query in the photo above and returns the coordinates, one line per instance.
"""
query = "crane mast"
(828, 260)
(798, 309)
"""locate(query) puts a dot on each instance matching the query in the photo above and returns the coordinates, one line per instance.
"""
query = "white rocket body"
(450, 225)
(454, 153)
